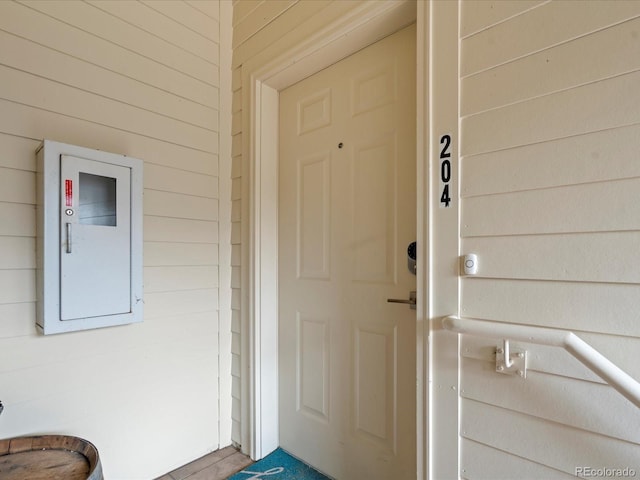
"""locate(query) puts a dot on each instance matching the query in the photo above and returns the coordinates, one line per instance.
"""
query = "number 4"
(445, 198)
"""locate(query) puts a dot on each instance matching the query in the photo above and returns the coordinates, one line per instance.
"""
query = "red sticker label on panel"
(68, 193)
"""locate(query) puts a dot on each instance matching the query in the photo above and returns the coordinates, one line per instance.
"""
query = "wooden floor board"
(223, 469)
(218, 465)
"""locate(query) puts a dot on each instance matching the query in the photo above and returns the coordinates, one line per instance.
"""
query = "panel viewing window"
(97, 200)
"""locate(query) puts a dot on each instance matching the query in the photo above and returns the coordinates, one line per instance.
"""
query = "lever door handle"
(411, 301)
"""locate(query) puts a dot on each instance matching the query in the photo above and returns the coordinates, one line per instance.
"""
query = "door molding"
(262, 82)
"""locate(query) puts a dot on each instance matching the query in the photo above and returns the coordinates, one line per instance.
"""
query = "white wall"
(550, 121)
(141, 79)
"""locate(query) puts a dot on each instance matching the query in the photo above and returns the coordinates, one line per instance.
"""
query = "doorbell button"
(470, 264)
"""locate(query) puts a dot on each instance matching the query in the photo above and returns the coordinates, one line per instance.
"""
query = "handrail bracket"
(510, 361)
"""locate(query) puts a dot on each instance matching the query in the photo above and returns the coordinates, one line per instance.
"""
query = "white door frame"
(364, 26)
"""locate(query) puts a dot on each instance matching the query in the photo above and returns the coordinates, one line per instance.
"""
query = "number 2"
(446, 139)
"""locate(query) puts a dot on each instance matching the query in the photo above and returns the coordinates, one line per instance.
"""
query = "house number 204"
(445, 170)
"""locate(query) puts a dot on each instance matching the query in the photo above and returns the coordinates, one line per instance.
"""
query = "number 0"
(445, 171)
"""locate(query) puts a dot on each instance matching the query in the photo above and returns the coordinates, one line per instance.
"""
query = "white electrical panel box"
(89, 238)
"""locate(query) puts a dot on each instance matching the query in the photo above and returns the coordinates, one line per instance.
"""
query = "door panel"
(347, 204)
(313, 216)
(95, 225)
(374, 192)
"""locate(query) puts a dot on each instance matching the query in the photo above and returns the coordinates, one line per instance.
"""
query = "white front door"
(347, 214)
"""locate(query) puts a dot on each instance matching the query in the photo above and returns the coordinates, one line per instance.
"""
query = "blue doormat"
(279, 465)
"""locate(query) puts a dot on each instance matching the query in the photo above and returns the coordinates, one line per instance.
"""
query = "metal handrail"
(589, 356)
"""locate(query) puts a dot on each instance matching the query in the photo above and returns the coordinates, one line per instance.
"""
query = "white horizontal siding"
(483, 462)
(298, 21)
(36, 26)
(17, 253)
(549, 24)
(18, 219)
(260, 16)
(164, 304)
(607, 207)
(563, 400)
(242, 8)
(178, 205)
(190, 18)
(169, 32)
(549, 182)
(114, 29)
(17, 286)
(583, 61)
(592, 157)
(163, 229)
(209, 8)
(558, 115)
(167, 179)
(162, 254)
(65, 349)
(17, 186)
(141, 79)
(75, 103)
(15, 152)
(548, 443)
(75, 402)
(17, 319)
(29, 56)
(573, 305)
(476, 16)
(21, 120)
(598, 257)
